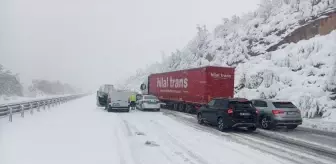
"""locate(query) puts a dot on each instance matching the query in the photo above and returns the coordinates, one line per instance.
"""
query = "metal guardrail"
(20, 107)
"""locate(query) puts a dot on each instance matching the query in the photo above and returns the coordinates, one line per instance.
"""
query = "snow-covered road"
(80, 133)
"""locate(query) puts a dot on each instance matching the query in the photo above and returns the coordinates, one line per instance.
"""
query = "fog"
(90, 42)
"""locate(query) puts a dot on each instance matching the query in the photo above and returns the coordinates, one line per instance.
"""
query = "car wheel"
(200, 119)
(292, 126)
(220, 124)
(109, 110)
(252, 129)
(158, 110)
(265, 123)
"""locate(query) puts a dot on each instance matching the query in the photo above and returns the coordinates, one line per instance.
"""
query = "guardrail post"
(38, 107)
(49, 104)
(10, 114)
(22, 110)
(44, 105)
(31, 108)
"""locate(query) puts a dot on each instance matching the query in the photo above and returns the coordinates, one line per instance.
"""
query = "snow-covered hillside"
(304, 73)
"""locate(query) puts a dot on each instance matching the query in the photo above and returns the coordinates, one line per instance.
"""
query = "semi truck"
(187, 90)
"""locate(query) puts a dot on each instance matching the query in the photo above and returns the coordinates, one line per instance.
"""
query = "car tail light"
(230, 111)
(257, 111)
(275, 112)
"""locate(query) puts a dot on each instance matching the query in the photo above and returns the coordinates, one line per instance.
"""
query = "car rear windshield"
(150, 97)
(283, 105)
(240, 104)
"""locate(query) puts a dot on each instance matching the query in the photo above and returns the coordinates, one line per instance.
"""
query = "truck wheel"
(181, 107)
(200, 119)
(175, 107)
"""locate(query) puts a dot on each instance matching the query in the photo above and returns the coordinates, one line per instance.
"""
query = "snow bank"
(325, 124)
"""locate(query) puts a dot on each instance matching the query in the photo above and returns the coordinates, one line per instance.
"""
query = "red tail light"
(230, 111)
(257, 111)
(275, 112)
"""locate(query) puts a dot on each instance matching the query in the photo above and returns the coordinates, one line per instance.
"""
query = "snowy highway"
(80, 133)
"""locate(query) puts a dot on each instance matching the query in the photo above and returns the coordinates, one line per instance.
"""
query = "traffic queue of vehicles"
(209, 93)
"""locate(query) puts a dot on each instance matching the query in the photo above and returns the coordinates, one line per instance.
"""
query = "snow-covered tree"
(9, 83)
(265, 9)
(52, 87)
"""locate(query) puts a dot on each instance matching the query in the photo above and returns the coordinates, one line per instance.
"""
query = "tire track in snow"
(286, 151)
(119, 148)
(239, 151)
(132, 130)
(177, 143)
(185, 158)
(123, 135)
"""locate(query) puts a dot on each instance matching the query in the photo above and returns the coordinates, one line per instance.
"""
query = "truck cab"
(102, 94)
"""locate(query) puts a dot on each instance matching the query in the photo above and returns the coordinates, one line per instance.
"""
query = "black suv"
(228, 113)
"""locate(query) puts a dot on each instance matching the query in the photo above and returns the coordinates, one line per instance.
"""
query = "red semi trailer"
(187, 90)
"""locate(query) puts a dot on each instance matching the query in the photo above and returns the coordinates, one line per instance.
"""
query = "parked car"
(228, 113)
(118, 100)
(277, 113)
(148, 102)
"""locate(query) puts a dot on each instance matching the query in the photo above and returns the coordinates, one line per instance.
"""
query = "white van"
(118, 100)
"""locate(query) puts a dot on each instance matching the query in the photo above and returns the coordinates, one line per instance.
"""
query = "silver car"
(274, 113)
(148, 102)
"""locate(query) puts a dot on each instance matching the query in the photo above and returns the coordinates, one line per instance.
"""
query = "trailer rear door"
(220, 82)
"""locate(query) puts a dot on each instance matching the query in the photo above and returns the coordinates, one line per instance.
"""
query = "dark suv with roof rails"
(227, 113)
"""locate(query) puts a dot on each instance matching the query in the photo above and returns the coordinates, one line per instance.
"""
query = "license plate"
(291, 113)
(244, 114)
(115, 104)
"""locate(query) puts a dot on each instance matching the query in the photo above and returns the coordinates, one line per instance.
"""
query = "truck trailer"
(187, 90)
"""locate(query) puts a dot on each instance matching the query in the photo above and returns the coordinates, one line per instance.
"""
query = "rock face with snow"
(303, 72)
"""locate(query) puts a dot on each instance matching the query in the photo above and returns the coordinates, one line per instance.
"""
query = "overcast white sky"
(90, 42)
